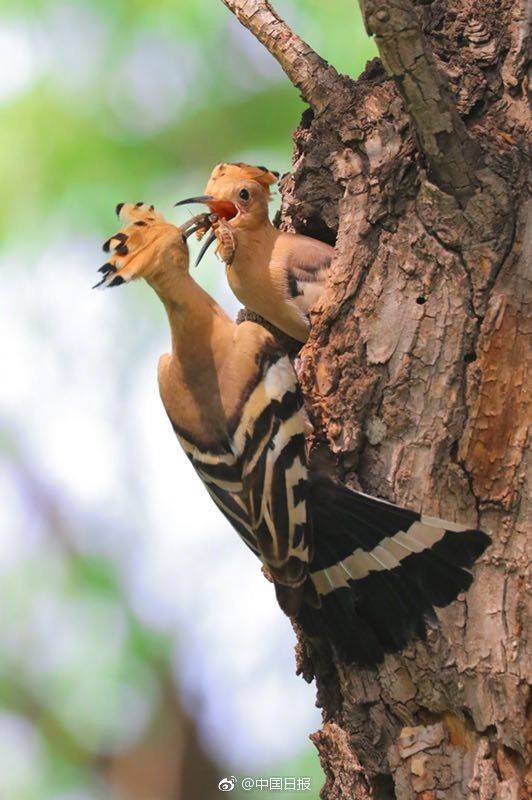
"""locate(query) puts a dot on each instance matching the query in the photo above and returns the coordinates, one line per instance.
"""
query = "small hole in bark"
(421, 300)
(469, 357)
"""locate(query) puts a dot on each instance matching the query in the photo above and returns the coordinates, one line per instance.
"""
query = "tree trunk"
(415, 370)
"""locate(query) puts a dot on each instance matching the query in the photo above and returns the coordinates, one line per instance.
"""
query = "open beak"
(224, 208)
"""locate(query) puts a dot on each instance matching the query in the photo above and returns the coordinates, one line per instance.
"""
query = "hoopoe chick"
(359, 572)
(278, 275)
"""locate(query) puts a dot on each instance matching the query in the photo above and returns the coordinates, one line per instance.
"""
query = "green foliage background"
(120, 100)
(68, 151)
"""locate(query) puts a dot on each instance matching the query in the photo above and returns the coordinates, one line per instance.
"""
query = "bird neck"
(198, 326)
(191, 378)
(256, 220)
(255, 241)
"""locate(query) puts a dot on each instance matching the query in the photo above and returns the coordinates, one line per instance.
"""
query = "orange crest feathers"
(145, 240)
(224, 175)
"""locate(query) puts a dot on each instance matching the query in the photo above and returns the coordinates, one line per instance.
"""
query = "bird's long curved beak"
(224, 208)
(201, 198)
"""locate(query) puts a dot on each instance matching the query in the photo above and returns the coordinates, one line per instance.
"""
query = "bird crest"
(231, 173)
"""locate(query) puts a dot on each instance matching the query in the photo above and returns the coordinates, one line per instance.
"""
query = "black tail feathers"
(380, 570)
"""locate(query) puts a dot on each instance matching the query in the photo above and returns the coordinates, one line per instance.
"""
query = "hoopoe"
(278, 275)
(360, 572)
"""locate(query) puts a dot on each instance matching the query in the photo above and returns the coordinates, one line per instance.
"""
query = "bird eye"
(243, 194)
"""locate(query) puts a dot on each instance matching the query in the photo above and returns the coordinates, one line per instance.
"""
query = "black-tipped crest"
(120, 237)
(108, 270)
(108, 281)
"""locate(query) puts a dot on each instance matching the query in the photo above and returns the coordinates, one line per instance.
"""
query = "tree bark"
(415, 372)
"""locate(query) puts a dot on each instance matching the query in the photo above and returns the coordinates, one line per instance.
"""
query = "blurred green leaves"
(127, 99)
(106, 101)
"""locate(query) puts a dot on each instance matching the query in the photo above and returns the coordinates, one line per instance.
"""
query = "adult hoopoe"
(361, 572)
(276, 274)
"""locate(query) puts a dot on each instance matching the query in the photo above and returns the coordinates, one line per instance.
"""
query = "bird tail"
(379, 570)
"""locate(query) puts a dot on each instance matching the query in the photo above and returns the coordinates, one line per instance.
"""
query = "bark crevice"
(426, 403)
(406, 55)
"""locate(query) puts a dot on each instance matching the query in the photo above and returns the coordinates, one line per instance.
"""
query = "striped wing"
(269, 440)
(235, 511)
(307, 267)
(220, 472)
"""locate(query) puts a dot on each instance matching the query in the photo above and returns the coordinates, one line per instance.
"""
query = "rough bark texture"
(416, 377)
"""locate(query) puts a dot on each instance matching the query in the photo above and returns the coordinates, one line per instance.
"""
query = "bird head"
(147, 247)
(239, 193)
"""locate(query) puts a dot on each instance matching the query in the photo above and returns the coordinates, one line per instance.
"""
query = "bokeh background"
(142, 654)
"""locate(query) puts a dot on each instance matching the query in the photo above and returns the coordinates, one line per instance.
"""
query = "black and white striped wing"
(235, 511)
(270, 441)
(220, 472)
